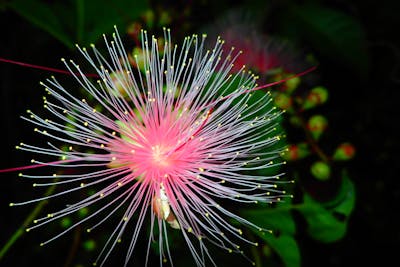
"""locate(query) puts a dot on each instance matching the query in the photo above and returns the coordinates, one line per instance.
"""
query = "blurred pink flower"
(261, 53)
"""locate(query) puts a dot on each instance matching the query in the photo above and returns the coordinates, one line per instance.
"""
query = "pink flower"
(262, 52)
(167, 146)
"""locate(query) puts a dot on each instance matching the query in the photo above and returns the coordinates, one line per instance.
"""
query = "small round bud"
(139, 59)
(283, 101)
(292, 84)
(321, 170)
(317, 124)
(317, 96)
(89, 245)
(83, 212)
(66, 222)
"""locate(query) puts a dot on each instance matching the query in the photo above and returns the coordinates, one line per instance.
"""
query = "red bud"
(317, 96)
(296, 151)
(344, 151)
(317, 124)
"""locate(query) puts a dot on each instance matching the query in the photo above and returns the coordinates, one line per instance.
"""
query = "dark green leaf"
(79, 21)
(43, 16)
(336, 35)
(277, 219)
(328, 222)
(101, 15)
(286, 247)
(280, 220)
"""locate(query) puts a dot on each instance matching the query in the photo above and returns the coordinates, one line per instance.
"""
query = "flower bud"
(162, 209)
(82, 213)
(283, 101)
(292, 84)
(165, 18)
(121, 86)
(344, 151)
(296, 151)
(138, 58)
(148, 17)
(317, 124)
(321, 170)
(66, 222)
(89, 245)
(317, 96)
(133, 30)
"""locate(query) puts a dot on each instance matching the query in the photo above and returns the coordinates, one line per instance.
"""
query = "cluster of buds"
(301, 113)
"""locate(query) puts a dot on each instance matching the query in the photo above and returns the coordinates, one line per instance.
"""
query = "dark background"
(362, 111)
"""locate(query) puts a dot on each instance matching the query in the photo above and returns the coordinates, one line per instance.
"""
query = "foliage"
(79, 21)
(331, 33)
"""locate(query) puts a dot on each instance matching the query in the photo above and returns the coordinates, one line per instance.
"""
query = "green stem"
(311, 141)
(74, 247)
(254, 250)
(256, 256)
(22, 229)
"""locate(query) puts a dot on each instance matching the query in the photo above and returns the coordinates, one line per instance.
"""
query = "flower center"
(160, 156)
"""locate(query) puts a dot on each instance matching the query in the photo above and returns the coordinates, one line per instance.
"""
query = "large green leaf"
(44, 17)
(328, 222)
(79, 21)
(277, 218)
(286, 247)
(280, 220)
(332, 33)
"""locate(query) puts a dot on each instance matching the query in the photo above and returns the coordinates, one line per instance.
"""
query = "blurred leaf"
(280, 220)
(345, 200)
(334, 34)
(286, 247)
(42, 15)
(82, 21)
(277, 218)
(101, 15)
(328, 222)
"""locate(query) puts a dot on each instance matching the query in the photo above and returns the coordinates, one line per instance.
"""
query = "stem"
(74, 247)
(21, 230)
(311, 140)
(254, 250)
(256, 255)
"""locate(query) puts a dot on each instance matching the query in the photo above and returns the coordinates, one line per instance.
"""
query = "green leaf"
(79, 21)
(101, 15)
(346, 198)
(332, 33)
(277, 218)
(328, 222)
(280, 220)
(286, 247)
(42, 15)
